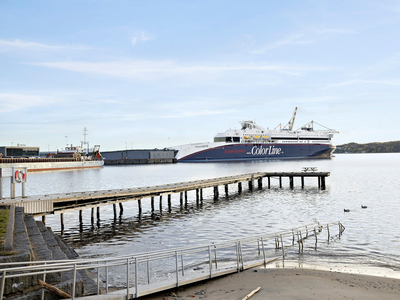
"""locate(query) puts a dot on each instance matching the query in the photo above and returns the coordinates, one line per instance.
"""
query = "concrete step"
(51, 242)
(40, 249)
(69, 252)
(90, 286)
(21, 243)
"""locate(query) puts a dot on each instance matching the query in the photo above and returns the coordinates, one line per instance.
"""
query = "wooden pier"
(60, 203)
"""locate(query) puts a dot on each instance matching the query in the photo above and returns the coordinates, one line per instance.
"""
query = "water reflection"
(370, 239)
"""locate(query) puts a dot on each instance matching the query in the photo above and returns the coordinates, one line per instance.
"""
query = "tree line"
(386, 147)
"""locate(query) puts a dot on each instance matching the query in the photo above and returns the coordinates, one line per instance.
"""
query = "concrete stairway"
(33, 241)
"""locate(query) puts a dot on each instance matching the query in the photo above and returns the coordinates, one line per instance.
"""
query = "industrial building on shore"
(143, 156)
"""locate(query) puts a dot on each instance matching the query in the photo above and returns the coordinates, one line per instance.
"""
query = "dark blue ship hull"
(235, 152)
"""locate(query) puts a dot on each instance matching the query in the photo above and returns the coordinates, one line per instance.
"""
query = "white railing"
(202, 262)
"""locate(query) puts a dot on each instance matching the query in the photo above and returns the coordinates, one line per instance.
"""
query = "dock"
(43, 205)
(139, 273)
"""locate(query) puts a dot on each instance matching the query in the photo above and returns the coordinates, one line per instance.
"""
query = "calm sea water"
(371, 238)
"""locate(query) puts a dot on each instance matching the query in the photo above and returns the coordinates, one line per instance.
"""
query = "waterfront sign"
(5, 172)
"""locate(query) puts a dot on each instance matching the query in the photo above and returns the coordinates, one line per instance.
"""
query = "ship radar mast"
(84, 142)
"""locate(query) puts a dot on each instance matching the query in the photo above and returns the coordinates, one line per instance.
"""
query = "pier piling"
(251, 183)
(260, 183)
(322, 182)
(62, 221)
(140, 206)
(115, 210)
(216, 193)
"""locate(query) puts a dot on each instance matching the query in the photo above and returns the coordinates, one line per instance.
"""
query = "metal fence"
(144, 271)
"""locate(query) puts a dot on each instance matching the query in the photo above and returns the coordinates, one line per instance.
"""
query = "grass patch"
(4, 213)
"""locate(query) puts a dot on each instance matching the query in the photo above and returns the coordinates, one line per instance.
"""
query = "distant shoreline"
(386, 147)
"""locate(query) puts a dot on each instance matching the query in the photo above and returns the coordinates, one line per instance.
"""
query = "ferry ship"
(253, 142)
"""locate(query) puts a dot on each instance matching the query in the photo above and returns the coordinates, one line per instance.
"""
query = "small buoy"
(346, 210)
(362, 206)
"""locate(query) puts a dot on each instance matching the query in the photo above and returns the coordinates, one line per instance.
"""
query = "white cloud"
(152, 70)
(141, 37)
(24, 45)
(343, 31)
(393, 82)
(292, 40)
(10, 102)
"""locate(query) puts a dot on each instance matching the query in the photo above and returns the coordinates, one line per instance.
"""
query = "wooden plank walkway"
(59, 203)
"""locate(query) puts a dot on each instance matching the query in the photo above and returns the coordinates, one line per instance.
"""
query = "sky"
(153, 74)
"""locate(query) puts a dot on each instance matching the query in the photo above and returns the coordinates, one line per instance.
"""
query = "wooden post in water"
(269, 182)
(98, 213)
(169, 203)
(251, 183)
(226, 191)
(280, 181)
(44, 220)
(80, 216)
(319, 182)
(185, 197)
(121, 208)
(291, 182)
(181, 198)
(197, 197)
(201, 195)
(302, 182)
(239, 188)
(322, 182)
(115, 210)
(160, 204)
(62, 221)
(140, 206)
(152, 205)
(216, 193)
(260, 183)
(92, 216)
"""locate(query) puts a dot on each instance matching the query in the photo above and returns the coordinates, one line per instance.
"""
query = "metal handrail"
(47, 267)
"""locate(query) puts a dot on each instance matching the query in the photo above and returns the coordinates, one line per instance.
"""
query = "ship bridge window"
(227, 139)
